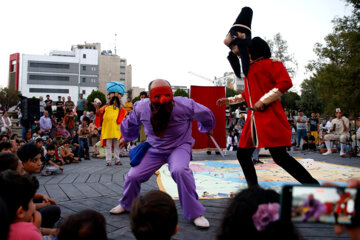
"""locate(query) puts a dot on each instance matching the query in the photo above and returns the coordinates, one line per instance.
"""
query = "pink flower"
(265, 214)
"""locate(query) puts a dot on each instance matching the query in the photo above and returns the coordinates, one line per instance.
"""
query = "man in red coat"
(266, 124)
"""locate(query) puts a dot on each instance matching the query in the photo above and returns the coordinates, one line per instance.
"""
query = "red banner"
(207, 96)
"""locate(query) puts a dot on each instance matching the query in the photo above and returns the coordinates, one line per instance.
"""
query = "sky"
(163, 38)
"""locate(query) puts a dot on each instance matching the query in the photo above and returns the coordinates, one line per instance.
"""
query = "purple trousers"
(178, 161)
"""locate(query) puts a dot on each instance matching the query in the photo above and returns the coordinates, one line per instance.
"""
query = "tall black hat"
(243, 21)
(259, 48)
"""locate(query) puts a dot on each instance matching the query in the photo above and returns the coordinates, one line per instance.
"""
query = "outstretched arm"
(230, 100)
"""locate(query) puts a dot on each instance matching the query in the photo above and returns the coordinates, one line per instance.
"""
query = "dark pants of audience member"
(49, 215)
(75, 150)
(281, 158)
(79, 113)
(84, 147)
(310, 146)
(24, 132)
(301, 134)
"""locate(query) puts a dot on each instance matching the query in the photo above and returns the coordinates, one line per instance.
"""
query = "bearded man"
(111, 116)
(167, 123)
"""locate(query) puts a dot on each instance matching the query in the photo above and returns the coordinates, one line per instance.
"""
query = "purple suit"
(174, 148)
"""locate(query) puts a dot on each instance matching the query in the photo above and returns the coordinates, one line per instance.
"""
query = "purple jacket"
(179, 128)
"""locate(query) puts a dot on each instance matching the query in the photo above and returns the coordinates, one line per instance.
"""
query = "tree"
(290, 100)
(310, 101)
(279, 50)
(336, 71)
(181, 93)
(135, 99)
(9, 97)
(90, 99)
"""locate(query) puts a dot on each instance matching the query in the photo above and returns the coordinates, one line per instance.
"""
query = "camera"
(321, 204)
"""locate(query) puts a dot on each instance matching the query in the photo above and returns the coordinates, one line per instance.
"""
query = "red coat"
(270, 127)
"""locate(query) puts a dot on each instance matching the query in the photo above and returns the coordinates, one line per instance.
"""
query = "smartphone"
(320, 204)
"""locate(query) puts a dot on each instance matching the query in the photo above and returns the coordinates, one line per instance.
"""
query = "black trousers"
(281, 158)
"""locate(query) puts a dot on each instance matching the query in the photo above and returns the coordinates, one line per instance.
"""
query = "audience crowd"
(62, 137)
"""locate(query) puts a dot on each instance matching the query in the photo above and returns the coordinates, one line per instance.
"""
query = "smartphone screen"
(322, 204)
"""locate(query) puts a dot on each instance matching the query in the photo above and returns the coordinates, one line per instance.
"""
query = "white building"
(62, 73)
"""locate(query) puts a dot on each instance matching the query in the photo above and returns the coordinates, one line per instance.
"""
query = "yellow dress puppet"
(112, 116)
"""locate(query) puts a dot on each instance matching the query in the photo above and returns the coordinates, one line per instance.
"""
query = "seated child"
(66, 154)
(83, 140)
(30, 156)
(75, 143)
(39, 142)
(17, 192)
(59, 159)
(85, 225)
(99, 151)
(5, 147)
(37, 133)
(309, 142)
(62, 131)
(153, 216)
(10, 161)
(49, 166)
(254, 214)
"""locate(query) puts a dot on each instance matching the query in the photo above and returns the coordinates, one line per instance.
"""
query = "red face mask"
(161, 95)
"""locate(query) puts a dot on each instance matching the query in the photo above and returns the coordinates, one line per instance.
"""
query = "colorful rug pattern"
(222, 179)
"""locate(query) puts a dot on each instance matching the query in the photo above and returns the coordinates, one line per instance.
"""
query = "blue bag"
(137, 153)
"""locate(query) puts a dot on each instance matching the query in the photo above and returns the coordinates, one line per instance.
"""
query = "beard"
(160, 116)
(115, 99)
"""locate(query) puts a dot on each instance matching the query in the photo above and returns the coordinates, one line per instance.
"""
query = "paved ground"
(90, 184)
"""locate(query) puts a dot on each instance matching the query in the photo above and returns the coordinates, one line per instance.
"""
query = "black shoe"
(217, 153)
(257, 162)
(208, 152)
(86, 158)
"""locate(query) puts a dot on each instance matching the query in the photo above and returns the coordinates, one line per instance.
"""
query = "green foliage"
(230, 93)
(9, 97)
(310, 101)
(336, 72)
(290, 100)
(279, 50)
(181, 93)
(90, 99)
(135, 99)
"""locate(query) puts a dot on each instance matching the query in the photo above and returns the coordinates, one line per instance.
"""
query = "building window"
(84, 68)
(48, 90)
(49, 78)
(83, 91)
(83, 80)
(49, 65)
(84, 55)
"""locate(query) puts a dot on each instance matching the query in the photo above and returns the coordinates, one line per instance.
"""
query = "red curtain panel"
(207, 96)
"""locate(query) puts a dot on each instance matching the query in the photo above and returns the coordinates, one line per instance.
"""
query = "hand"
(210, 133)
(61, 168)
(353, 232)
(48, 199)
(222, 101)
(259, 106)
(122, 143)
(37, 219)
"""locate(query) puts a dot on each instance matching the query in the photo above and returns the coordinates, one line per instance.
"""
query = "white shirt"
(328, 124)
(339, 126)
(229, 140)
(237, 113)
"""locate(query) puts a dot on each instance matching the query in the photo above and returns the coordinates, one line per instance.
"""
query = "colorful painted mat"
(222, 179)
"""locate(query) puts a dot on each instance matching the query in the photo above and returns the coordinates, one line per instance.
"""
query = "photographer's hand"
(353, 232)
